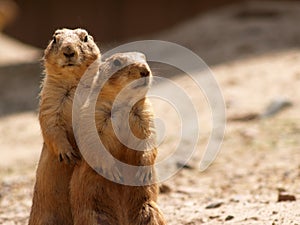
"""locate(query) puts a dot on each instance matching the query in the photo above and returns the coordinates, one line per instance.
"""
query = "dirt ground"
(254, 52)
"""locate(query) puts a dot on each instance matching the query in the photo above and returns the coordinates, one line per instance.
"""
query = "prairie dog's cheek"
(60, 61)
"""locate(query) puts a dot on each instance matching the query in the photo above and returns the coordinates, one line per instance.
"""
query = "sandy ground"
(254, 52)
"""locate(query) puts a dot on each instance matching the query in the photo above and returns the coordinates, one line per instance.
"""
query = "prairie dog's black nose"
(68, 51)
(144, 72)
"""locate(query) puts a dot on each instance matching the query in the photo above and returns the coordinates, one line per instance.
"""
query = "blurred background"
(109, 21)
(238, 29)
(252, 47)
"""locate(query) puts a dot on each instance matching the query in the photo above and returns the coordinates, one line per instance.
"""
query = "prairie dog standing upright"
(95, 199)
(66, 59)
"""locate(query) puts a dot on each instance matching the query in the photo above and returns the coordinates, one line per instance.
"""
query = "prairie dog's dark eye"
(54, 40)
(117, 62)
(85, 39)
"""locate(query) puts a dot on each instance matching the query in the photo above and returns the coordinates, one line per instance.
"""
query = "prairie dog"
(66, 59)
(95, 199)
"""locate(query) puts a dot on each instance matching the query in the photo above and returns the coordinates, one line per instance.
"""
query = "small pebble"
(164, 189)
(214, 217)
(244, 117)
(229, 217)
(214, 205)
(280, 189)
(276, 106)
(184, 165)
(283, 197)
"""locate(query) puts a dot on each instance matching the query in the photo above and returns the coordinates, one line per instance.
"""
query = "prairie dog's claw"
(111, 173)
(68, 156)
(145, 175)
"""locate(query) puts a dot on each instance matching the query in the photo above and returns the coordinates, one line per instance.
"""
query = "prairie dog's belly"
(124, 132)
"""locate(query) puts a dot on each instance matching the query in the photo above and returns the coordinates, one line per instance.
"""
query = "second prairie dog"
(66, 59)
(95, 199)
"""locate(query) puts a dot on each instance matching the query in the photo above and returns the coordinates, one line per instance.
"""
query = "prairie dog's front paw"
(145, 175)
(67, 154)
(110, 171)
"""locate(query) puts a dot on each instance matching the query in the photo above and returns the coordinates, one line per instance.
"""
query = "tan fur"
(66, 59)
(95, 199)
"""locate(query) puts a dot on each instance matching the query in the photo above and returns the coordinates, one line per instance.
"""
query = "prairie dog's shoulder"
(70, 53)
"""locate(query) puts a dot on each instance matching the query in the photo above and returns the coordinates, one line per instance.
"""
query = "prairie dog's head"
(127, 74)
(70, 52)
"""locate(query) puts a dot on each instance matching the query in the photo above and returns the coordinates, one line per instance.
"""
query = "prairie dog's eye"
(54, 40)
(85, 38)
(117, 62)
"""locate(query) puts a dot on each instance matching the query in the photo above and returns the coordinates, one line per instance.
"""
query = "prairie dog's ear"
(105, 56)
(91, 37)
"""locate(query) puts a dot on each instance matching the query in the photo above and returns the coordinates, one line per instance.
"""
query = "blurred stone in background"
(8, 12)
(20, 69)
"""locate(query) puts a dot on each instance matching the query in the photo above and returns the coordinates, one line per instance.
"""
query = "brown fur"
(95, 199)
(66, 59)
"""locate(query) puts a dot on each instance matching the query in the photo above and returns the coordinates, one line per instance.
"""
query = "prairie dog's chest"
(109, 122)
(67, 105)
(122, 123)
(58, 102)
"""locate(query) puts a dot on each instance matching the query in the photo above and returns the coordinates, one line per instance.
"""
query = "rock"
(276, 106)
(229, 217)
(244, 117)
(273, 108)
(280, 189)
(214, 217)
(164, 189)
(252, 218)
(214, 205)
(283, 197)
(8, 12)
(184, 165)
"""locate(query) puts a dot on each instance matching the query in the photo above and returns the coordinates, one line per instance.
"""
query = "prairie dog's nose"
(68, 51)
(144, 72)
